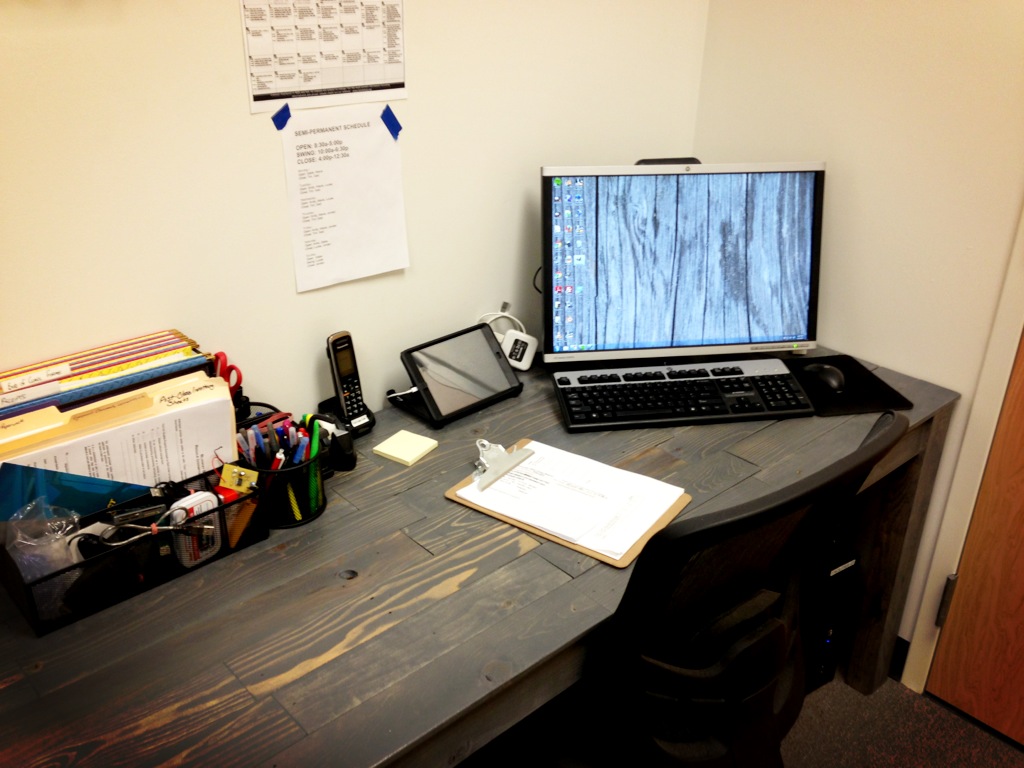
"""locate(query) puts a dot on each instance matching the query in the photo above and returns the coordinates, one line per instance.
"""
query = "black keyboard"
(662, 395)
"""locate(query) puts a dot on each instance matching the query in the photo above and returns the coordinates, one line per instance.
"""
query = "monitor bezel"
(667, 355)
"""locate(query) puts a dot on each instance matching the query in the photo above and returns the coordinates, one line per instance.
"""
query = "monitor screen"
(666, 261)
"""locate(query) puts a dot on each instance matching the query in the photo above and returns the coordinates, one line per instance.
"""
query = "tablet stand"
(410, 401)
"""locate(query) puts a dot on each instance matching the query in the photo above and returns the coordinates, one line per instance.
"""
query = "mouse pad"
(863, 392)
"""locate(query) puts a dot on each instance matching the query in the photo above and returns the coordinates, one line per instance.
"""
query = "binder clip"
(494, 462)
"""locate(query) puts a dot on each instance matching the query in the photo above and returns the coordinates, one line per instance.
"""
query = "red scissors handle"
(230, 373)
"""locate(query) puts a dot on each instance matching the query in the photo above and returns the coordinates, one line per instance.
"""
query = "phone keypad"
(353, 396)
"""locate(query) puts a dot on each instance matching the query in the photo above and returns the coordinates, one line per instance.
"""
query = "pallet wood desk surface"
(403, 628)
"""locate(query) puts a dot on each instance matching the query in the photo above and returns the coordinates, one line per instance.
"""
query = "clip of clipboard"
(495, 462)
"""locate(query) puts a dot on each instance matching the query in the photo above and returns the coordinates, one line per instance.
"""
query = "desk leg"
(895, 507)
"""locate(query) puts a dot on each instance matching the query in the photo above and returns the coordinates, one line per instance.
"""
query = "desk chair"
(704, 662)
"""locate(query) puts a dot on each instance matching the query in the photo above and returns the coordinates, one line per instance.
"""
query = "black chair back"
(706, 650)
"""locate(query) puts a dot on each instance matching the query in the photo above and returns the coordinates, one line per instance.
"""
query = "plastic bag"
(37, 538)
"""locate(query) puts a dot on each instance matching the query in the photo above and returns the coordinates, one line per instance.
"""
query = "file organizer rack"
(118, 573)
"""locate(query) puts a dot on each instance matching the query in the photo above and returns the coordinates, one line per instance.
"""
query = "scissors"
(230, 373)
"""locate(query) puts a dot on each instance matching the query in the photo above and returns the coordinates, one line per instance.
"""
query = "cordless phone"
(342, 357)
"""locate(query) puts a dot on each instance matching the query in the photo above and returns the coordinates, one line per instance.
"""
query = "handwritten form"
(584, 502)
(345, 187)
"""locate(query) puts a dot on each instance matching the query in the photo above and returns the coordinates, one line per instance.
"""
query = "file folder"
(80, 494)
(168, 431)
(105, 360)
(89, 389)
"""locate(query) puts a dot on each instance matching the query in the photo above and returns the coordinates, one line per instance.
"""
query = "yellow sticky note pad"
(405, 447)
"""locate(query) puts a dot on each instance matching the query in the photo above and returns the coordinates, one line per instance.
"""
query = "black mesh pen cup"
(293, 495)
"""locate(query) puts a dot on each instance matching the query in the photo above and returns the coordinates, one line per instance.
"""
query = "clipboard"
(667, 516)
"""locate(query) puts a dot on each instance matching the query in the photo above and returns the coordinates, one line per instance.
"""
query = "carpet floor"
(837, 728)
(840, 728)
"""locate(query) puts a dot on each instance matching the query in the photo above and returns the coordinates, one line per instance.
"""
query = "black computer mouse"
(828, 375)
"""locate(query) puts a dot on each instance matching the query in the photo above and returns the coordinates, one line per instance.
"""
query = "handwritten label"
(39, 376)
(184, 395)
(32, 393)
(12, 424)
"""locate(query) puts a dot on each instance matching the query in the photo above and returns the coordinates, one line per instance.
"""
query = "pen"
(314, 469)
(252, 445)
(242, 444)
(294, 503)
(275, 464)
(300, 450)
(314, 440)
(258, 436)
(278, 459)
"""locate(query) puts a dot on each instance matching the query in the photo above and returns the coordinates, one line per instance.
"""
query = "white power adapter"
(519, 348)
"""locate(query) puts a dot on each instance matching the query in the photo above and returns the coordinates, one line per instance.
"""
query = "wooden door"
(979, 663)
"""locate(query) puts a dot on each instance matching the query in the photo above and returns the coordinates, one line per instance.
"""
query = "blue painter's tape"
(391, 122)
(281, 117)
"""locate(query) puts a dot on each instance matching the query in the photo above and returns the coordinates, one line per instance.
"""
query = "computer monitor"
(659, 262)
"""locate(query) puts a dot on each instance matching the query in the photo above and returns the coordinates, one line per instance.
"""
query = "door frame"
(993, 380)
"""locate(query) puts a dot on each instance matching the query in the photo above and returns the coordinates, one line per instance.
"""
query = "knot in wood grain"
(497, 671)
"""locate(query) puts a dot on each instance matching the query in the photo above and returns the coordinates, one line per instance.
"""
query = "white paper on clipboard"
(585, 502)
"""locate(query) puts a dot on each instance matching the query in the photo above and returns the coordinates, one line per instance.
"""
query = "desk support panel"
(897, 497)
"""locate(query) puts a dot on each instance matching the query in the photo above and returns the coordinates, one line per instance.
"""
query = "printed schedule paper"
(347, 209)
(603, 511)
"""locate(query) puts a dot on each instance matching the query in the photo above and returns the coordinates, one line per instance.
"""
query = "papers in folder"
(603, 511)
(166, 431)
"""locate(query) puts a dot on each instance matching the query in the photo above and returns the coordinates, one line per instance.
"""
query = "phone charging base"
(332, 405)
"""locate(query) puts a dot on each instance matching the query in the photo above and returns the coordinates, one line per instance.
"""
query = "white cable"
(490, 317)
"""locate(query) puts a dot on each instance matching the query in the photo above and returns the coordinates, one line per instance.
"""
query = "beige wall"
(139, 193)
(917, 107)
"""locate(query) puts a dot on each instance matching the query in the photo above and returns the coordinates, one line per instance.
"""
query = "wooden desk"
(402, 628)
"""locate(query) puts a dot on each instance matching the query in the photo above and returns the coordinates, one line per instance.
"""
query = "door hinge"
(947, 599)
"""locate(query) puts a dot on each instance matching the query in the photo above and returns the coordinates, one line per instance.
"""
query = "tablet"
(460, 373)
